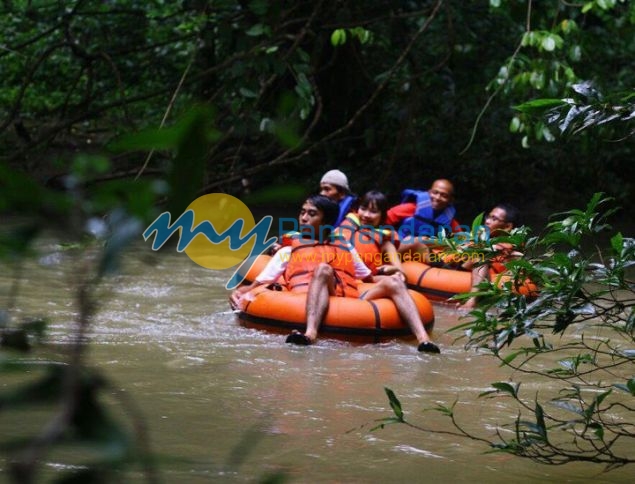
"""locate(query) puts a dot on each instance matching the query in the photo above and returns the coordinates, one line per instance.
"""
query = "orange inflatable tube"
(440, 284)
(347, 318)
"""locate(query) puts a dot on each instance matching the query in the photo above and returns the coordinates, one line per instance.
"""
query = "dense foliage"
(586, 298)
(232, 93)
(94, 223)
(387, 91)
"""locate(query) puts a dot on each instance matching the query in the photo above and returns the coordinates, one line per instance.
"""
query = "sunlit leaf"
(617, 242)
(548, 43)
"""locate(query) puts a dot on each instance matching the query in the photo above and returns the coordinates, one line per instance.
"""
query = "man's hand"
(235, 299)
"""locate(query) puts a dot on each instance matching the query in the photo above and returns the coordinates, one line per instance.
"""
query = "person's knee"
(392, 285)
(323, 271)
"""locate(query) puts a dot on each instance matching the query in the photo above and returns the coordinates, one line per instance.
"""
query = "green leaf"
(617, 243)
(602, 396)
(15, 339)
(287, 136)
(187, 172)
(247, 93)
(629, 387)
(487, 392)
(11, 365)
(548, 43)
(538, 105)
(598, 430)
(338, 37)
(87, 167)
(45, 389)
(447, 411)
(511, 357)
(386, 421)
(394, 403)
(256, 30)
(477, 224)
(507, 388)
(540, 420)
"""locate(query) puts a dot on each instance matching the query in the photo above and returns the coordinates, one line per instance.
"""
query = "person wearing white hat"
(334, 185)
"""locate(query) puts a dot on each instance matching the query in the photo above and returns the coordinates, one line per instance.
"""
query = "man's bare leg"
(393, 288)
(317, 304)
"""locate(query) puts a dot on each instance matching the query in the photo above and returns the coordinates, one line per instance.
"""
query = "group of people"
(353, 240)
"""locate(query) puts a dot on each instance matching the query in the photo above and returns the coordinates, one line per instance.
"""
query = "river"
(223, 403)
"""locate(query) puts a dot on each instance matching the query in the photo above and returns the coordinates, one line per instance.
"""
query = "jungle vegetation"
(386, 91)
(117, 107)
(581, 308)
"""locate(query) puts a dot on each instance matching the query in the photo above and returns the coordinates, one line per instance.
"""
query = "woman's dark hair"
(330, 209)
(378, 199)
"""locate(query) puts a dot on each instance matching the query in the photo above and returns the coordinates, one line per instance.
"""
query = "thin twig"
(168, 110)
(281, 159)
(501, 85)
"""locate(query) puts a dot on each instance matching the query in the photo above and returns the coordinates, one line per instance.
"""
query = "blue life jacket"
(345, 206)
(424, 222)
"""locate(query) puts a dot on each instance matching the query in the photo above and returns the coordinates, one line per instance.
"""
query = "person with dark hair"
(375, 242)
(504, 214)
(334, 185)
(325, 265)
(422, 215)
(500, 220)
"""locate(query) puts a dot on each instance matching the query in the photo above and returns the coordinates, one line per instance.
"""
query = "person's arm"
(275, 267)
(236, 297)
(272, 271)
(393, 267)
(361, 270)
(398, 213)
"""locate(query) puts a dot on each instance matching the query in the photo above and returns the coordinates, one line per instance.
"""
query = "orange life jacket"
(306, 256)
(286, 239)
(367, 241)
(497, 264)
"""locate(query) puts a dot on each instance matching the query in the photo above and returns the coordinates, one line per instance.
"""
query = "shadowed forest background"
(112, 112)
(395, 94)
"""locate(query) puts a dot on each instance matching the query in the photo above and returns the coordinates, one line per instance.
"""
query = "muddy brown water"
(223, 403)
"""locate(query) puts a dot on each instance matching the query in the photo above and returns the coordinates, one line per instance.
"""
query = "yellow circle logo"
(222, 212)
